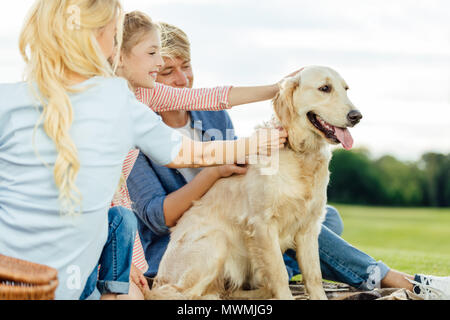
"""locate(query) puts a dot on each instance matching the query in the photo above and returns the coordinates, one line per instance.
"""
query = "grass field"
(408, 240)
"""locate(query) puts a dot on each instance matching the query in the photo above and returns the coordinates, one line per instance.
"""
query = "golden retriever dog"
(229, 245)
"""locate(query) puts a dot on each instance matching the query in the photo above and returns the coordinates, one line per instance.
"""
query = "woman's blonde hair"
(136, 26)
(174, 42)
(58, 40)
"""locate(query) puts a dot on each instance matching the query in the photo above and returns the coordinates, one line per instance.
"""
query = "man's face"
(176, 73)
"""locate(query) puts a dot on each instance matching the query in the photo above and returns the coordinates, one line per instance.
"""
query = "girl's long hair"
(58, 40)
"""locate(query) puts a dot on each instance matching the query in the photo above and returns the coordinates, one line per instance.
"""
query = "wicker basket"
(23, 280)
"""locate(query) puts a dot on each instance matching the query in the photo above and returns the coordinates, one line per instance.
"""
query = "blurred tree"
(446, 178)
(354, 179)
(437, 170)
(402, 182)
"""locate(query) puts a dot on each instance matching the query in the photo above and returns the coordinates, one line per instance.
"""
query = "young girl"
(64, 135)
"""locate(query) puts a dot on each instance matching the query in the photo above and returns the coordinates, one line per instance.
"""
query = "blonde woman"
(65, 132)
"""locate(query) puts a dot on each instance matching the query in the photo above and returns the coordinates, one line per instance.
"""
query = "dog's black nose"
(354, 117)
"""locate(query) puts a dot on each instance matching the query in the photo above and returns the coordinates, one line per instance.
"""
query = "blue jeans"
(116, 258)
(340, 261)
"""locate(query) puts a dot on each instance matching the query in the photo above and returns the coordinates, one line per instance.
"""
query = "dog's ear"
(284, 101)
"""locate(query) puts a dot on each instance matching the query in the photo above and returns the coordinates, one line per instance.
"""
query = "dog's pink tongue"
(345, 137)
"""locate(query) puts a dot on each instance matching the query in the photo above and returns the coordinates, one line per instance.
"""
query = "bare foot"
(397, 279)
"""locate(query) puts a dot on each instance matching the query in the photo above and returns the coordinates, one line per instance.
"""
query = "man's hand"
(229, 170)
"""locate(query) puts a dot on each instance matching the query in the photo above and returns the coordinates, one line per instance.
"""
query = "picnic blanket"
(338, 291)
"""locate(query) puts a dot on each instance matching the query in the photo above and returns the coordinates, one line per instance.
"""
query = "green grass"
(412, 240)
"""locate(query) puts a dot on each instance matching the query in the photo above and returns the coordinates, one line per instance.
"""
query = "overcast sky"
(395, 55)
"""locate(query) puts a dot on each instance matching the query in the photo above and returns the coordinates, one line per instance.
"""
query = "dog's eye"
(326, 89)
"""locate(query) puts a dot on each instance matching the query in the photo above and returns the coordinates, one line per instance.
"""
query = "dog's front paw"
(285, 295)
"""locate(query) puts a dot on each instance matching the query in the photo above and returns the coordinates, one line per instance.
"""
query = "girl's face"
(141, 66)
(176, 73)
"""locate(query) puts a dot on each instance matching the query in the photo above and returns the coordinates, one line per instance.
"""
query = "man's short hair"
(174, 42)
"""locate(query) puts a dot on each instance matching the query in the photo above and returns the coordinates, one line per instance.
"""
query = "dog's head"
(313, 106)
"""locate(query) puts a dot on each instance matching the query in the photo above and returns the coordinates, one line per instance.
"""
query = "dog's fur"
(234, 237)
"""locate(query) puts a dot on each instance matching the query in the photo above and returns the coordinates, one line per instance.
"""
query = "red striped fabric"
(122, 199)
(164, 98)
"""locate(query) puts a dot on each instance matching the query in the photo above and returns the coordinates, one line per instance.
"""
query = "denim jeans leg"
(343, 263)
(116, 258)
(90, 291)
(333, 221)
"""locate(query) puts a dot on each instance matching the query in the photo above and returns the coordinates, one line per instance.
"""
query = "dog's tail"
(165, 292)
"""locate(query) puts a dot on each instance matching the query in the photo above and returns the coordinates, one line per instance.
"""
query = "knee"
(123, 220)
(333, 221)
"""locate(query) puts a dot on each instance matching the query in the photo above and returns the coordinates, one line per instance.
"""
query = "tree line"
(356, 178)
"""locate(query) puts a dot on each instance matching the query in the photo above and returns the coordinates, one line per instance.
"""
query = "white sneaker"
(432, 288)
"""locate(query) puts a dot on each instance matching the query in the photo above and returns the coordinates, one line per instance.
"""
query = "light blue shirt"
(108, 123)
